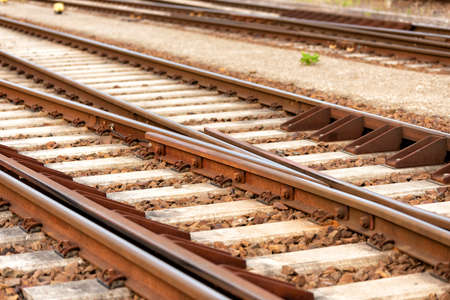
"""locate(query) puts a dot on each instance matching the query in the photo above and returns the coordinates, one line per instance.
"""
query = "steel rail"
(403, 32)
(268, 96)
(246, 90)
(211, 281)
(340, 185)
(76, 91)
(146, 274)
(430, 217)
(72, 110)
(133, 130)
(430, 29)
(413, 236)
(129, 129)
(314, 15)
(286, 21)
(113, 104)
(430, 49)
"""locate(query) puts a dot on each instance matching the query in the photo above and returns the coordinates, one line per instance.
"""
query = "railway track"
(257, 123)
(58, 244)
(274, 240)
(93, 160)
(309, 13)
(389, 47)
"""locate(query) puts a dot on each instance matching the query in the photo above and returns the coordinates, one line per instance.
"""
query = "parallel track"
(149, 189)
(257, 123)
(204, 268)
(271, 238)
(59, 244)
(311, 14)
(416, 50)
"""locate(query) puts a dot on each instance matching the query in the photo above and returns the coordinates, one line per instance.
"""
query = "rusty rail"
(311, 14)
(146, 274)
(288, 101)
(313, 114)
(404, 30)
(413, 236)
(344, 186)
(217, 274)
(99, 120)
(431, 242)
(268, 96)
(84, 94)
(73, 111)
(245, 90)
(428, 49)
(312, 23)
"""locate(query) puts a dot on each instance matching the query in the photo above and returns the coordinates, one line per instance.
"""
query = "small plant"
(346, 3)
(309, 59)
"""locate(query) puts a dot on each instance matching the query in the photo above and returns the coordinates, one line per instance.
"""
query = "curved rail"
(431, 242)
(288, 101)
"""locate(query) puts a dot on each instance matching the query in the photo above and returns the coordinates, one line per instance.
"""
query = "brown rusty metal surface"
(180, 238)
(430, 150)
(312, 119)
(379, 129)
(144, 272)
(383, 139)
(305, 13)
(66, 86)
(67, 249)
(157, 227)
(246, 90)
(214, 255)
(89, 96)
(138, 280)
(280, 21)
(331, 17)
(249, 147)
(101, 121)
(334, 183)
(30, 225)
(122, 129)
(346, 128)
(430, 243)
(366, 23)
(442, 271)
(96, 118)
(442, 175)
(112, 278)
(261, 179)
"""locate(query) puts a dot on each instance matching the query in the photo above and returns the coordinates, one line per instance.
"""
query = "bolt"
(285, 194)
(341, 212)
(364, 222)
(195, 163)
(158, 151)
(237, 177)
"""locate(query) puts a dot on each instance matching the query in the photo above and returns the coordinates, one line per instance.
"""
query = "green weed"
(309, 59)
